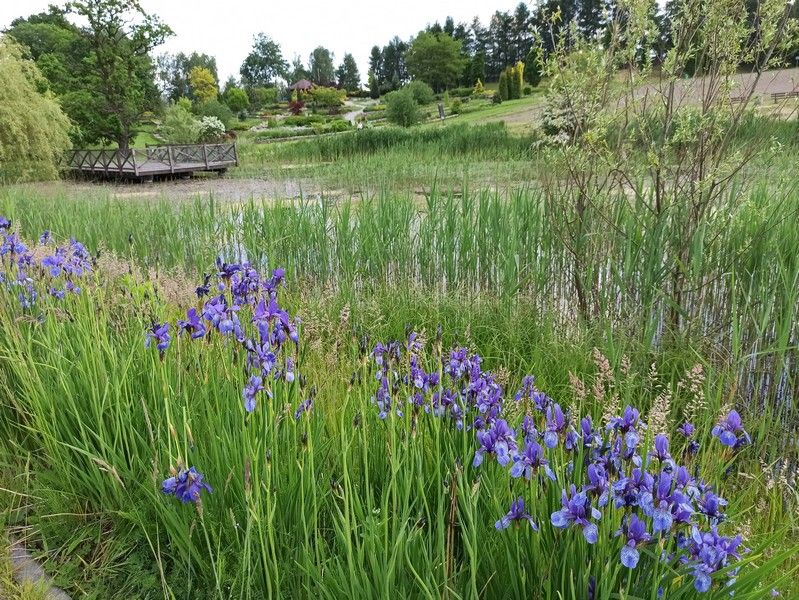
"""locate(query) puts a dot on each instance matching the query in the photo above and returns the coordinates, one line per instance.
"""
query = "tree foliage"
(436, 59)
(202, 84)
(320, 67)
(101, 73)
(262, 96)
(173, 72)
(236, 99)
(347, 74)
(215, 108)
(120, 78)
(264, 64)
(33, 129)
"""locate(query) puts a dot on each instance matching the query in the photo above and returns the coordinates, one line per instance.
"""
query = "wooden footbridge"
(146, 164)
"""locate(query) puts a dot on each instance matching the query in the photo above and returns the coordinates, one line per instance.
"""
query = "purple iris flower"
(556, 425)
(193, 325)
(592, 438)
(686, 483)
(45, 237)
(305, 406)
(498, 439)
(517, 514)
(528, 391)
(661, 451)
(186, 485)
(628, 425)
(529, 430)
(230, 324)
(710, 552)
(4, 223)
(459, 363)
(577, 509)
(711, 506)
(687, 429)
(205, 288)
(730, 431)
(215, 310)
(251, 389)
(260, 356)
(635, 535)
(288, 373)
(598, 485)
(530, 461)
(12, 245)
(629, 491)
(159, 334)
(658, 504)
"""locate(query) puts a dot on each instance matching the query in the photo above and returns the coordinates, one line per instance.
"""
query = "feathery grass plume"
(624, 365)
(502, 376)
(693, 384)
(604, 388)
(579, 391)
(658, 421)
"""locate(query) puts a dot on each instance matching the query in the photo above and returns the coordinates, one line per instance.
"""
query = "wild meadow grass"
(323, 486)
(356, 475)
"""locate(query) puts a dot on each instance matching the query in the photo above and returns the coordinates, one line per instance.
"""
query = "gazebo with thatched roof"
(303, 85)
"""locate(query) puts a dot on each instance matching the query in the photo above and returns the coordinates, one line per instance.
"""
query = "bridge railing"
(154, 159)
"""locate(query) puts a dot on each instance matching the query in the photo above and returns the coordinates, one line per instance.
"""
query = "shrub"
(262, 96)
(421, 92)
(211, 130)
(461, 92)
(479, 88)
(532, 72)
(496, 98)
(456, 106)
(338, 125)
(296, 106)
(180, 126)
(528, 90)
(185, 104)
(517, 75)
(402, 108)
(303, 120)
(236, 99)
(504, 90)
(327, 96)
(215, 108)
(511, 81)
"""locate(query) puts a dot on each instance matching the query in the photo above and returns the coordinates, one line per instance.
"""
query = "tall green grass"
(742, 279)
(338, 503)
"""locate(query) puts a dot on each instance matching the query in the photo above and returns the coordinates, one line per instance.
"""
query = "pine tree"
(503, 86)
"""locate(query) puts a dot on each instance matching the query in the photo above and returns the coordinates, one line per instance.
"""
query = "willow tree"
(33, 129)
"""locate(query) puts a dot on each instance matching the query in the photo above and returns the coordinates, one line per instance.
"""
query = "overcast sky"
(225, 28)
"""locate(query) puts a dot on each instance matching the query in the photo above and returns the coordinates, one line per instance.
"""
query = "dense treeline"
(486, 50)
(106, 78)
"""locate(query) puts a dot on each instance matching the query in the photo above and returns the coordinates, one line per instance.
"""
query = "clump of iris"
(659, 498)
